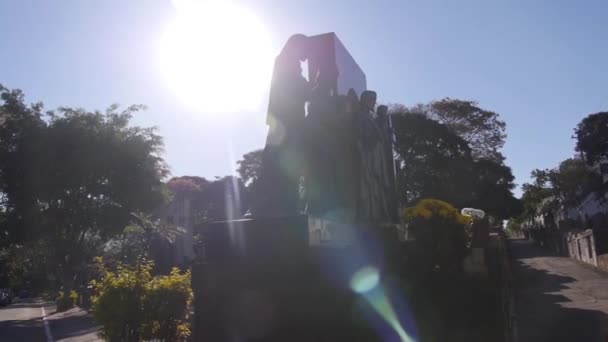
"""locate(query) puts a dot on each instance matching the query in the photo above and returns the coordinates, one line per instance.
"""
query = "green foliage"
(167, 303)
(533, 194)
(514, 227)
(433, 161)
(23, 266)
(21, 126)
(250, 166)
(493, 189)
(132, 305)
(449, 149)
(118, 302)
(572, 180)
(72, 177)
(145, 237)
(592, 137)
(567, 184)
(74, 297)
(66, 301)
(441, 233)
(482, 129)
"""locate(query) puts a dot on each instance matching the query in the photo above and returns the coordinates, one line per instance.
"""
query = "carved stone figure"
(282, 162)
(338, 151)
(373, 199)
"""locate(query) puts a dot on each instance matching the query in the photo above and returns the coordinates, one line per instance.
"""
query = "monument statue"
(329, 155)
(282, 159)
(329, 151)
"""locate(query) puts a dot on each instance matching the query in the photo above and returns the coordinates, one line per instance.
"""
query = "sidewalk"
(74, 325)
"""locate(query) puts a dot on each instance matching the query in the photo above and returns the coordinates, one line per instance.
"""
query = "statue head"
(296, 47)
(382, 115)
(368, 100)
(382, 111)
(351, 102)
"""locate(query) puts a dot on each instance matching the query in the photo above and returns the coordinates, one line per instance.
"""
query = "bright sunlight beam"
(216, 56)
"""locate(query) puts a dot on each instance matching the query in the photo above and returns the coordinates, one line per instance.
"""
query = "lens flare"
(366, 282)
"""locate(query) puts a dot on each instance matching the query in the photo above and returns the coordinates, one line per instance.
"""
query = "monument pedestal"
(262, 280)
(290, 278)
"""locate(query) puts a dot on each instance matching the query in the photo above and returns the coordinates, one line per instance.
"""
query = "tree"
(187, 186)
(250, 166)
(98, 171)
(21, 127)
(569, 183)
(493, 189)
(481, 129)
(144, 238)
(433, 161)
(514, 226)
(592, 137)
(436, 162)
(535, 192)
(73, 177)
(250, 169)
(572, 180)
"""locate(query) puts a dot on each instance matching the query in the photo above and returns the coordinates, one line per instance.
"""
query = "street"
(558, 298)
(24, 321)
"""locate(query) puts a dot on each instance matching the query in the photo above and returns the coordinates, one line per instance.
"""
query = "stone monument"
(329, 151)
(327, 168)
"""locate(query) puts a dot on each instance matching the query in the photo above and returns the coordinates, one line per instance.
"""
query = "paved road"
(24, 322)
(558, 299)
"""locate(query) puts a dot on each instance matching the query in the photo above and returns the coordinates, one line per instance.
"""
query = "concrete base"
(263, 280)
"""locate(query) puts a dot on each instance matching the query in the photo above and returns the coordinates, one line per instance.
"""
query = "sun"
(216, 56)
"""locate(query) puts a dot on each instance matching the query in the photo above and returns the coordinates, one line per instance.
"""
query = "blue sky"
(540, 64)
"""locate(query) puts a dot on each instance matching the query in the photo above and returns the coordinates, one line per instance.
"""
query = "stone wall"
(499, 262)
(602, 262)
(262, 279)
(581, 246)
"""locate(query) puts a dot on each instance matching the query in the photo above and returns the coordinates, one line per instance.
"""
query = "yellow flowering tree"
(441, 233)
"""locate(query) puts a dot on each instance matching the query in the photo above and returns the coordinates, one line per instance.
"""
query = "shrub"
(66, 302)
(74, 297)
(442, 234)
(166, 303)
(132, 305)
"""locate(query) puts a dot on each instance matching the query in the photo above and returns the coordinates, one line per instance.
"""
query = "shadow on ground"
(22, 330)
(542, 305)
(71, 324)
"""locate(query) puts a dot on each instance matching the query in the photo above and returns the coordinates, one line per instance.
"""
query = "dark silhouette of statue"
(282, 162)
(328, 152)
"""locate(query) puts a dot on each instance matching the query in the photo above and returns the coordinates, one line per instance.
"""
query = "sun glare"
(217, 56)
